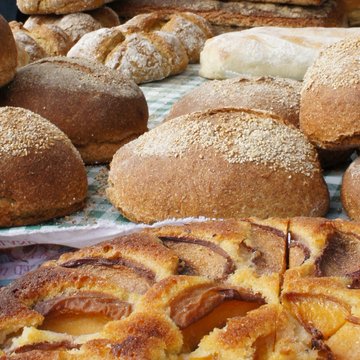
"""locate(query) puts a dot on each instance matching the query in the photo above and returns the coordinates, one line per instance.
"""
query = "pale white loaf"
(262, 51)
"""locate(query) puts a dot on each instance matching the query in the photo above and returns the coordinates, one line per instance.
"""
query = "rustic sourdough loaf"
(97, 108)
(218, 163)
(8, 53)
(330, 107)
(42, 174)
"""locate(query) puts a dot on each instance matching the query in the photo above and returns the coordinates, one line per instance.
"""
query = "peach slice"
(318, 314)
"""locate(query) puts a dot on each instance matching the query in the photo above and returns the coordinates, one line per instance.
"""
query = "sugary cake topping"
(337, 66)
(23, 132)
(238, 136)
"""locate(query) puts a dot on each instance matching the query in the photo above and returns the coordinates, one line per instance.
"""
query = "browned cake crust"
(228, 290)
(8, 53)
(332, 121)
(241, 14)
(42, 174)
(113, 110)
(36, 7)
(221, 163)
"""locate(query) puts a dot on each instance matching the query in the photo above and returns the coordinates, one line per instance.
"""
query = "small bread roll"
(95, 107)
(330, 106)
(42, 174)
(350, 190)
(220, 163)
(8, 53)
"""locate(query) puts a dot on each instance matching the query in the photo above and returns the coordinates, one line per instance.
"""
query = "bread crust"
(199, 181)
(113, 110)
(332, 121)
(40, 179)
(8, 53)
(36, 7)
(350, 198)
(241, 14)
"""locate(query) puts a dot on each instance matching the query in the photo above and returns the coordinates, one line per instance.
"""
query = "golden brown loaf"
(192, 30)
(218, 163)
(350, 190)
(278, 95)
(36, 7)
(77, 24)
(224, 290)
(8, 53)
(147, 48)
(142, 57)
(41, 41)
(236, 15)
(42, 174)
(330, 107)
(113, 110)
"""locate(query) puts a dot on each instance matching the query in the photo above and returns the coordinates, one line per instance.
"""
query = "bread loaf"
(77, 24)
(36, 7)
(192, 30)
(224, 290)
(277, 95)
(142, 57)
(350, 190)
(219, 163)
(8, 53)
(42, 174)
(330, 108)
(113, 110)
(236, 15)
(267, 51)
(41, 41)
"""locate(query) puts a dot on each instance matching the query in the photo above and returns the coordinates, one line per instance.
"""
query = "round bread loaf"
(219, 163)
(96, 108)
(277, 95)
(8, 53)
(350, 190)
(330, 106)
(42, 175)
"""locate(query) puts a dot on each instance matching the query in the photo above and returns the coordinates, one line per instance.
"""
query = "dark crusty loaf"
(8, 53)
(234, 15)
(224, 290)
(218, 163)
(42, 174)
(330, 106)
(97, 108)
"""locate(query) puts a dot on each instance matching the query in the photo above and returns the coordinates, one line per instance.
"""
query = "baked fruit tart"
(232, 289)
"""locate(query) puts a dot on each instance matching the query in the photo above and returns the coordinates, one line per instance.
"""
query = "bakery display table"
(25, 248)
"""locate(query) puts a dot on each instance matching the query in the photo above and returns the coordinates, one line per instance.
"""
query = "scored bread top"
(22, 132)
(239, 135)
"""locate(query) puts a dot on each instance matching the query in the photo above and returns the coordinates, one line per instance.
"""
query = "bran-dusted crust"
(350, 190)
(221, 289)
(241, 14)
(218, 163)
(113, 109)
(332, 121)
(42, 174)
(278, 95)
(8, 53)
(36, 7)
